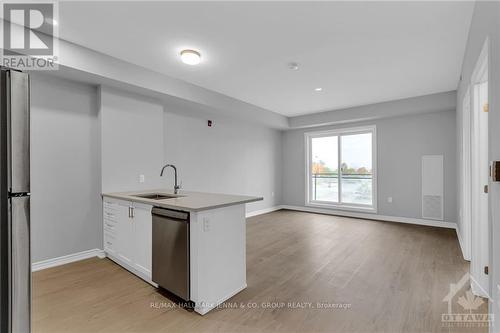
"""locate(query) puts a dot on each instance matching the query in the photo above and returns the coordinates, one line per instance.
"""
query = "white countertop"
(189, 201)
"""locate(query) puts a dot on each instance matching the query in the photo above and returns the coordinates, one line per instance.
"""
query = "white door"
(125, 233)
(142, 221)
(480, 177)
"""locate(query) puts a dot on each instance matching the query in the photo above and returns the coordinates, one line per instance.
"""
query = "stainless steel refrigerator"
(15, 258)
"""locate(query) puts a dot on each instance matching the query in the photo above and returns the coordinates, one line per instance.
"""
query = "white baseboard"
(36, 266)
(203, 308)
(462, 248)
(410, 220)
(131, 269)
(262, 211)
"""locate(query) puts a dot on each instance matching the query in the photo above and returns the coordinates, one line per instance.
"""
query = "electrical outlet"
(389, 199)
(206, 224)
(141, 178)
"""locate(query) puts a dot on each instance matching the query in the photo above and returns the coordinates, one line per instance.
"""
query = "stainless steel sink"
(158, 196)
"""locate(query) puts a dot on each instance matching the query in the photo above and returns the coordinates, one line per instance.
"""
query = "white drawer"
(110, 211)
(112, 202)
(111, 220)
(111, 205)
(109, 240)
(109, 247)
(110, 228)
(110, 217)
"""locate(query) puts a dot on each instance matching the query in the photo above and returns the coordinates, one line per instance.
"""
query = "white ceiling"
(358, 52)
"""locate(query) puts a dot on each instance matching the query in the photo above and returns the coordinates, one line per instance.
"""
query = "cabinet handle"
(133, 212)
(129, 213)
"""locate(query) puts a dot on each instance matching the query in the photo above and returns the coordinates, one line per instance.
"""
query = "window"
(341, 168)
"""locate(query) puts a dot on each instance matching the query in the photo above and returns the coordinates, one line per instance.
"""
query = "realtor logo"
(29, 36)
(37, 37)
(470, 311)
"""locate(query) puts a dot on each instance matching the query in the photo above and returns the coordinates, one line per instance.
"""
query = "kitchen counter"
(188, 201)
(215, 242)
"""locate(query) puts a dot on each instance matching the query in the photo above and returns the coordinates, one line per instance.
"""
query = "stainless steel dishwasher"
(171, 251)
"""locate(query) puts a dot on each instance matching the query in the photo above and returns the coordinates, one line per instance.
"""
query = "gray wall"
(131, 141)
(139, 136)
(73, 124)
(65, 202)
(229, 157)
(401, 142)
(486, 23)
(74, 146)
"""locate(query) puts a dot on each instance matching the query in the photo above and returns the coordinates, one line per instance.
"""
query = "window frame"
(308, 136)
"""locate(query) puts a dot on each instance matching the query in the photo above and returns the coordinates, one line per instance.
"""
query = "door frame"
(480, 230)
(466, 181)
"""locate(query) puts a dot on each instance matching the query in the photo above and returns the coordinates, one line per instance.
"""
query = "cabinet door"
(142, 221)
(125, 233)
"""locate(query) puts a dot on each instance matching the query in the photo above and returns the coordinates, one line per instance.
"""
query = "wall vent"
(432, 207)
(432, 187)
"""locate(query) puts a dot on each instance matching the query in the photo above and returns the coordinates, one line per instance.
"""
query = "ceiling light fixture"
(190, 57)
(318, 89)
(293, 66)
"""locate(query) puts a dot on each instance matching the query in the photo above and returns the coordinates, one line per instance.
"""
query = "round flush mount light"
(293, 66)
(318, 89)
(190, 57)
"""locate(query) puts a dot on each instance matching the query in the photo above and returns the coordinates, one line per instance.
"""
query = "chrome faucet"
(176, 186)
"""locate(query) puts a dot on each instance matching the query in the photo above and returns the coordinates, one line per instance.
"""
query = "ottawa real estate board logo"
(29, 35)
(465, 310)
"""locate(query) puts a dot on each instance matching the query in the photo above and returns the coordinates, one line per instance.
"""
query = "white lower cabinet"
(142, 237)
(124, 233)
(127, 235)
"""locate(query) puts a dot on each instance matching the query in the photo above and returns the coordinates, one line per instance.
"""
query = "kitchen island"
(216, 239)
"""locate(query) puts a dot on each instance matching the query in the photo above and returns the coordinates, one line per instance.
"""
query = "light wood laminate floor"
(389, 277)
